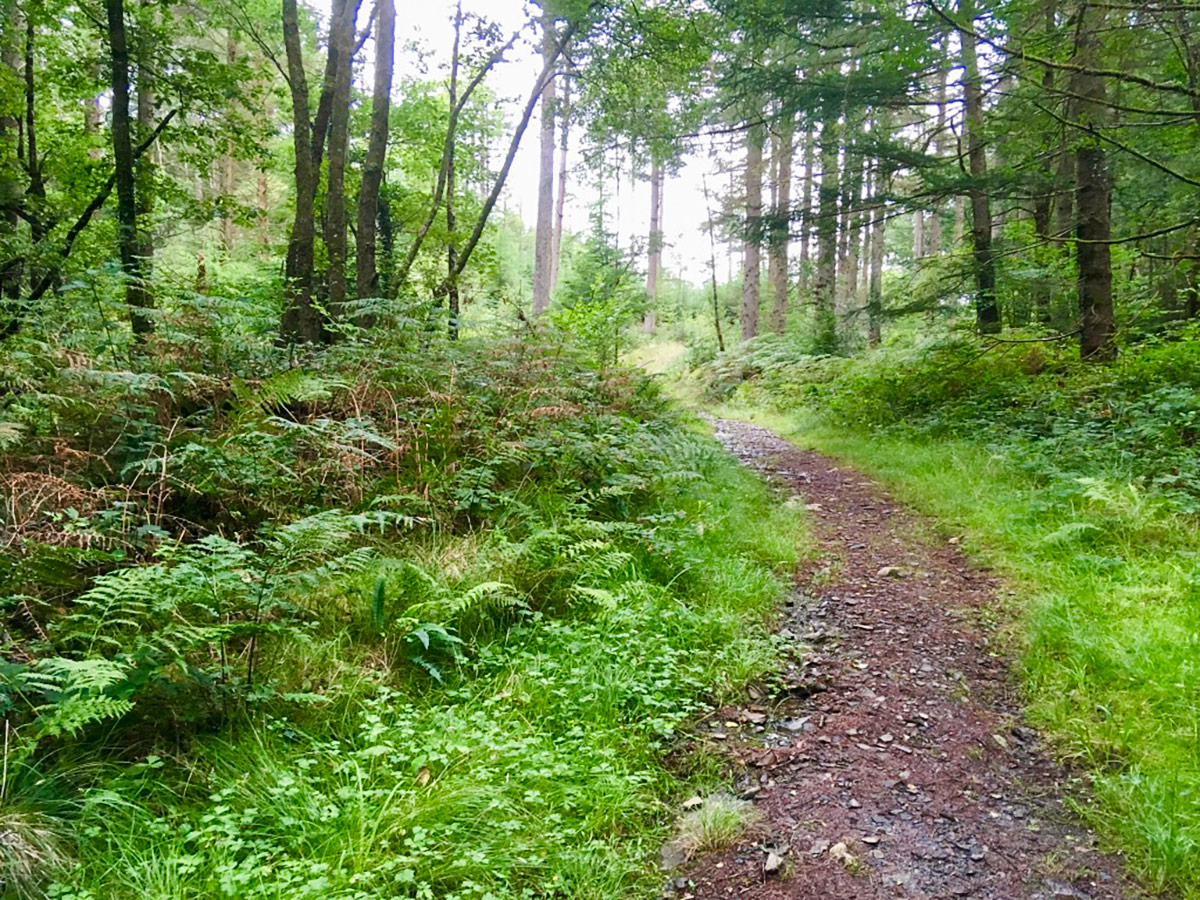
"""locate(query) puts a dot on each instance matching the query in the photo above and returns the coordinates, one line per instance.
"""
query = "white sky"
(685, 215)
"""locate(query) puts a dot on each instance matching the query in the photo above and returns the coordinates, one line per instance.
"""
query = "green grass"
(1105, 610)
(537, 768)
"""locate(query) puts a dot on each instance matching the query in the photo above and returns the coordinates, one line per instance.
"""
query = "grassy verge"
(1108, 618)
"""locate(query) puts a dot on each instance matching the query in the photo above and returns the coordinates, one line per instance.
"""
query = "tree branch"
(543, 79)
(92, 208)
(414, 247)
(1021, 53)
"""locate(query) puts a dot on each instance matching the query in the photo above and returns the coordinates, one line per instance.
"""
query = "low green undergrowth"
(1077, 484)
(428, 629)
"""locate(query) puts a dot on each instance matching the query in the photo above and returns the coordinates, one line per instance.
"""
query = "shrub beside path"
(897, 764)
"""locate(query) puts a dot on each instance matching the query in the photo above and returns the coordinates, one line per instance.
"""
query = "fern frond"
(489, 595)
(292, 386)
(11, 434)
(83, 676)
(75, 711)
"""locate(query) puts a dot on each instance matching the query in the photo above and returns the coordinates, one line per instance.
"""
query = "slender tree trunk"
(843, 241)
(514, 144)
(987, 311)
(712, 260)
(301, 321)
(875, 280)
(864, 265)
(137, 298)
(1064, 199)
(366, 270)
(960, 221)
(262, 200)
(1093, 196)
(342, 31)
(1043, 201)
(544, 235)
(655, 251)
(806, 214)
(452, 296)
(918, 235)
(1042, 211)
(228, 170)
(35, 191)
(752, 241)
(854, 240)
(825, 282)
(10, 188)
(146, 171)
(781, 221)
(560, 200)
(228, 187)
(933, 231)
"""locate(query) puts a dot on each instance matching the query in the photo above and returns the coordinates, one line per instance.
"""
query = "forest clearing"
(520, 449)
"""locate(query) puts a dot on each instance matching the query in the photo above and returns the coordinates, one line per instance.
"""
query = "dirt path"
(896, 765)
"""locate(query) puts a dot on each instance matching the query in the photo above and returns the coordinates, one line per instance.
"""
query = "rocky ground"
(893, 761)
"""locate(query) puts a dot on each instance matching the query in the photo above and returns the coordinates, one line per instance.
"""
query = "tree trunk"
(228, 184)
(987, 311)
(781, 222)
(1043, 201)
(301, 321)
(514, 144)
(147, 104)
(655, 251)
(544, 236)
(10, 188)
(854, 240)
(918, 235)
(865, 219)
(1064, 193)
(452, 297)
(712, 261)
(843, 239)
(1093, 251)
(1042, 211)
(825, 282)
(342, 33)
(933, 231)
(875, 280)
(752, 240)
(35, 191)
(560, 200)
(365, 264)
(806, 214)
(137, 297)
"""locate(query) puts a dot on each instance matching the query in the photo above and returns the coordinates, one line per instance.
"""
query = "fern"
(83, 676)
(292, 386)
(480, 601)
(11, 434)
(75, 711)
(201, 609)
(116, 603)
(378, 602)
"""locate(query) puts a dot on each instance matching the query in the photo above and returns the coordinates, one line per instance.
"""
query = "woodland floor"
(897, 765)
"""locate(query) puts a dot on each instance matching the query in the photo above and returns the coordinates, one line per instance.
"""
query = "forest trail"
(897, 765)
